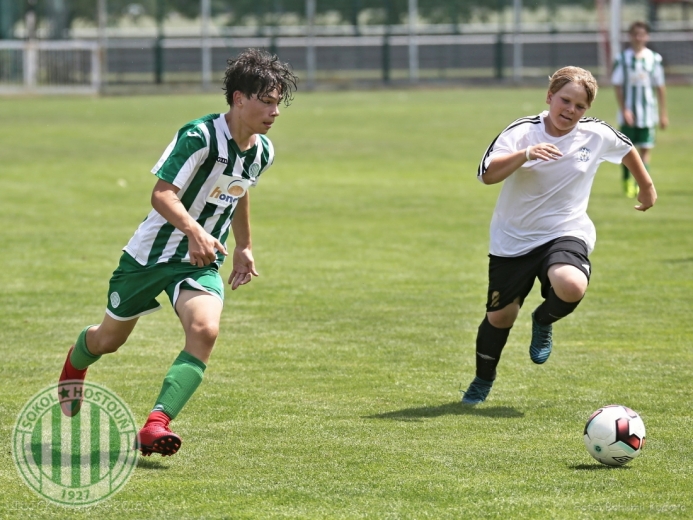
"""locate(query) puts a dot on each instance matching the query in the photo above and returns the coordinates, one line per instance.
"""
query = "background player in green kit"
(200, 197)
(637, 72)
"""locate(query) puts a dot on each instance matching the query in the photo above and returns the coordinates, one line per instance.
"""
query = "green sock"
(180, 383)
(626, 173)
(81, 358)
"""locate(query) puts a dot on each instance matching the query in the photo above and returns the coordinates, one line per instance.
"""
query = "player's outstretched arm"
(243, 261)
(202, 246)
(662, 103)
(647, 195)
(628, 116)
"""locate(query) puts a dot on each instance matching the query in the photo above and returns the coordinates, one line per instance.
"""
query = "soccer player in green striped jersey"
(199, 199)
(637, 72)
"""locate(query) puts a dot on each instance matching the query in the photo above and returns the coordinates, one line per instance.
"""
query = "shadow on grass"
(454, 408)
(597, 467)
(150, 464)
(679, 260)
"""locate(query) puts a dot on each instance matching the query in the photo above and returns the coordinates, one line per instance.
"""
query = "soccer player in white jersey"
(540, 228)
(200, 197)
(636, 73)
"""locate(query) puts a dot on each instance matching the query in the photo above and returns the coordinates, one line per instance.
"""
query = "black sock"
(489, 345)
(553, 309)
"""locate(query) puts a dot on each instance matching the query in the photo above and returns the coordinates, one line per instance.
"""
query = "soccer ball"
(614, 435)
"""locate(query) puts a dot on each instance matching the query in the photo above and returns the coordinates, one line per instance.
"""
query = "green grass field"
(333, 391)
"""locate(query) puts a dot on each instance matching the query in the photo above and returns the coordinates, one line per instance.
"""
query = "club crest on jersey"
(227, 190)
(253, 169)
(583, 154)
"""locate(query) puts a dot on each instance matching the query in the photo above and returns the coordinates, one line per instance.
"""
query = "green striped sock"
(81, 358)
(180, 383)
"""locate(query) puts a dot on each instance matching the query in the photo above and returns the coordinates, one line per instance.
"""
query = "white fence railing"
(85, 66)
(51, 67)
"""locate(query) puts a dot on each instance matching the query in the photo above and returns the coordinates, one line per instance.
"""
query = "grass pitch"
(333, 391)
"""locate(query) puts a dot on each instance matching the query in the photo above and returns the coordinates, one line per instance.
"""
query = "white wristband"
(527, 154)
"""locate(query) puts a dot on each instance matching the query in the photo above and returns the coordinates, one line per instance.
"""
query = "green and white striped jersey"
(638, 76)
(204, 162)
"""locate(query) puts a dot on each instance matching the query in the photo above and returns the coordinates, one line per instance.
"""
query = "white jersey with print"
(638, 76)
(544, 200)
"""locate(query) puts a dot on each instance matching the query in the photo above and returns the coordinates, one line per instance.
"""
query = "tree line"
(62, 13)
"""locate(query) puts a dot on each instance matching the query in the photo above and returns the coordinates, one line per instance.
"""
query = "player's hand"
(243, 268)
(628, 117)
(663, 122)
(646, 197)
(544, 152)
(203, 247)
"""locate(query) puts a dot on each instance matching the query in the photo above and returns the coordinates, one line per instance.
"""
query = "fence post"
(413, 43)
(498, 49)
(96, 68)
(517, 40)
(102, 63)
(614, 33)
(386, 42)
(310, 44)
(205, 15)
(498, 56)
(355, 9)
(158, 44)
(30, 64)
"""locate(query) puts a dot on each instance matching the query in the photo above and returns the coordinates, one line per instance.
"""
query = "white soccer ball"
(614, 435)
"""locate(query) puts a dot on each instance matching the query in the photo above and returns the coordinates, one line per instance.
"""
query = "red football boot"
(70, 387)
(156, 437)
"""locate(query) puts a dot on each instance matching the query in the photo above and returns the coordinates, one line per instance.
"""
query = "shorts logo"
(495, 299)
(583, 154)
(254, 169)
(75, 461)
(115, 300)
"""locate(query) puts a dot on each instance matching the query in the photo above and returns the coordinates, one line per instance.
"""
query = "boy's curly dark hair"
(257, 72)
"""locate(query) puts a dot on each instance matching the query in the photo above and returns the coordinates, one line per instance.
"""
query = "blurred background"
(126, 46)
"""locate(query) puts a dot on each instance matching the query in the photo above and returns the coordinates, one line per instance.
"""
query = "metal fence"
(514, 44)
(53, 67)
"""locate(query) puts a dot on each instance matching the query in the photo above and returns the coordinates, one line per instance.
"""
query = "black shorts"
(513, 277)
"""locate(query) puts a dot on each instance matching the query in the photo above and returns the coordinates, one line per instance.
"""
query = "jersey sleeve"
(658, 71)
(505, 143)
(182, 157)
(615, 145)
(617, 74)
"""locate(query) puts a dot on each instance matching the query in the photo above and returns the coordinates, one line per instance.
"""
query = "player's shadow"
(454, 408)
(150, 464)
(679, 260)
(598, 467)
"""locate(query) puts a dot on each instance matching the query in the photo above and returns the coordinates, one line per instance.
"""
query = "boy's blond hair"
(583, 77)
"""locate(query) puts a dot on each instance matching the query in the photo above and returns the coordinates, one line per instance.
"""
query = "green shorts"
(640, 137)
(133, 288)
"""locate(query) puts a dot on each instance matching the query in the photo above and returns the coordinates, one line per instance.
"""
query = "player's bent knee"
(205, 333)
(571, 291)
(501, 320)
